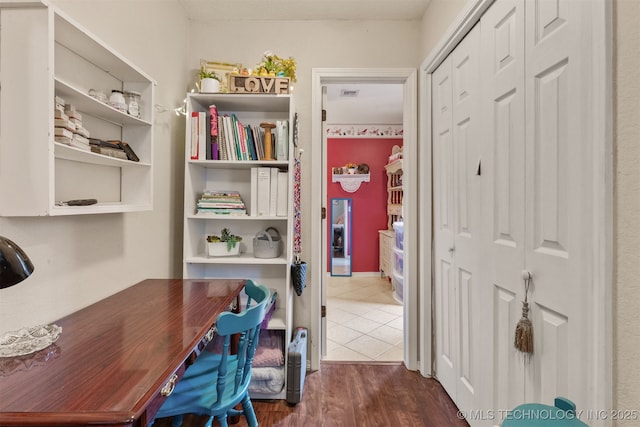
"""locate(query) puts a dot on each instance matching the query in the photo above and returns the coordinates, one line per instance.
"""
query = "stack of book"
(221, 203)
(68, 125)
(216, 136)
(113, 148)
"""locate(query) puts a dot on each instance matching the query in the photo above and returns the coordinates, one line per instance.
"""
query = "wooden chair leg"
(249, 413)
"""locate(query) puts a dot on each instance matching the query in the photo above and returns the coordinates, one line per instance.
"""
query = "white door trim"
(408, 78)
(601, 342)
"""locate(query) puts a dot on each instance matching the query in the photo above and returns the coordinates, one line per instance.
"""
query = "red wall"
(369, 203)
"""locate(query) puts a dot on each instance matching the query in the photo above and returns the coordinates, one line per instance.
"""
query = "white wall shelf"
(350, 182)
(44, 54)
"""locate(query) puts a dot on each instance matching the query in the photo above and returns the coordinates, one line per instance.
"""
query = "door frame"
(408, 78)
(600, 357)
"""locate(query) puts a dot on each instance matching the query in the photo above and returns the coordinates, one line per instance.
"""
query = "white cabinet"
(44, 54)
(387, 238)
(235, 175)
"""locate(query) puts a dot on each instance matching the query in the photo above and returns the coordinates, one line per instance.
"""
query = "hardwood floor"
(357, 395)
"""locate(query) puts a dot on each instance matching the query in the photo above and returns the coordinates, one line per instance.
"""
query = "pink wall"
(369, 206)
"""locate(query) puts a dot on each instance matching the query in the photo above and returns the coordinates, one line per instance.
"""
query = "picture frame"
(222, 69)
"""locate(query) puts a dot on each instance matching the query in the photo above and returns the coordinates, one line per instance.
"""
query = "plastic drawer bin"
(398, 256)
(397, 281)
(398, 227)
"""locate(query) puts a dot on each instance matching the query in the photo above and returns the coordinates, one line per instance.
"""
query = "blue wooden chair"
(217, 382)
(562, 414)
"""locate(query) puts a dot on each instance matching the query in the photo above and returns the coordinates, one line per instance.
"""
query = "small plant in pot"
(224, 245)
(209, 82)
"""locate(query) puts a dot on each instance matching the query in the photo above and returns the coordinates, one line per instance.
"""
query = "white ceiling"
(375, 104)
(304, 10)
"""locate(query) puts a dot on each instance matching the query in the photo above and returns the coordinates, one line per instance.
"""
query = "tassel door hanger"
(524, 330)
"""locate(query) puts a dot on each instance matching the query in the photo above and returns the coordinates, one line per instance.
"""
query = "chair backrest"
(247, 325)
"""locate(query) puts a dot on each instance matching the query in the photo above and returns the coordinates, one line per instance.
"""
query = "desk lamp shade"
(15, 265)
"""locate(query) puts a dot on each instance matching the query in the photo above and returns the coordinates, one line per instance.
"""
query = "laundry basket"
(267, 244)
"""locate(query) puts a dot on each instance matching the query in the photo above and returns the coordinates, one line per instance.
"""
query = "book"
(282, 204)
(253, 207)
(129, 151)
(213, 130)
(282, 140)
(80, 142)
(273, 192)
(263, 189)
(222, 144)
(230, 141)
(63, 132)
(202, 136)
(250, 142)
(111, 152)
(193, 136)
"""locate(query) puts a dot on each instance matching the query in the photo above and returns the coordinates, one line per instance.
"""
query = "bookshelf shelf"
(240, 176)
(65, 60)
(238, 164)
(67, 152)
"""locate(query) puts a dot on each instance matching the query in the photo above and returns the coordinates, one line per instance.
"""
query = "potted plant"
(224, 245)
(209, 81)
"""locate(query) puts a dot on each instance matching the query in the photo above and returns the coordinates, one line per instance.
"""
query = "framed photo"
(222, 69)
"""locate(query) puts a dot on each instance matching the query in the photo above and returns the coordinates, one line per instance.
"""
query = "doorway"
(321, 78)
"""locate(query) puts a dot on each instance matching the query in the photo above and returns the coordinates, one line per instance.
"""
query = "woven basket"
(267, 244)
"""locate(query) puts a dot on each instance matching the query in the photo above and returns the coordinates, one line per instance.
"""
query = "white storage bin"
(397, 281)
(398, 256)
(399, 229)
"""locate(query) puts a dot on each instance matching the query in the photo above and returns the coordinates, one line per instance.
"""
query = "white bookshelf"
(220, 175)
(43, 54)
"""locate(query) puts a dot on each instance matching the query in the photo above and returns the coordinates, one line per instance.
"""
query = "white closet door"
(445, 312)
(558, 205)
(457, 196)
(503, 175)
(466, 193)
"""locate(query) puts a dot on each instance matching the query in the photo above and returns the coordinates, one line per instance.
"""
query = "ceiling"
(304, 10)
(374, 103)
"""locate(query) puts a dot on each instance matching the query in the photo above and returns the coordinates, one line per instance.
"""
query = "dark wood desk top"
(114, 357)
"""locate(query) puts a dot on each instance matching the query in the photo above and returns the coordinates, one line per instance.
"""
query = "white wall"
(439, 16)
(325, 44)
(81, 259)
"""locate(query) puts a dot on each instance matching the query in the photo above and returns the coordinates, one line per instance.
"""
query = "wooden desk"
(114, 357)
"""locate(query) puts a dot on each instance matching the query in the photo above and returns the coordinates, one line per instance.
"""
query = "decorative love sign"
(258, 84)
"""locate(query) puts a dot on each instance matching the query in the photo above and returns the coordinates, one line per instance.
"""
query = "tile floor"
(364, 321)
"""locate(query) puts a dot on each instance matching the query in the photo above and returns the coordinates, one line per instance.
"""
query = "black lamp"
(15, 265)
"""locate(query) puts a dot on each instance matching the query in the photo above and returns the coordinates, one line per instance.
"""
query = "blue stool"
(563, 414)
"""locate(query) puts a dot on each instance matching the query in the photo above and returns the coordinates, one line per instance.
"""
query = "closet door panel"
(503, 186)
(558, 213)
(445, 293)
(466, 194)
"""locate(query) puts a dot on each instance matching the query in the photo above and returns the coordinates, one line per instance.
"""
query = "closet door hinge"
(323, 311)
(323, 213)
(324, 115)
